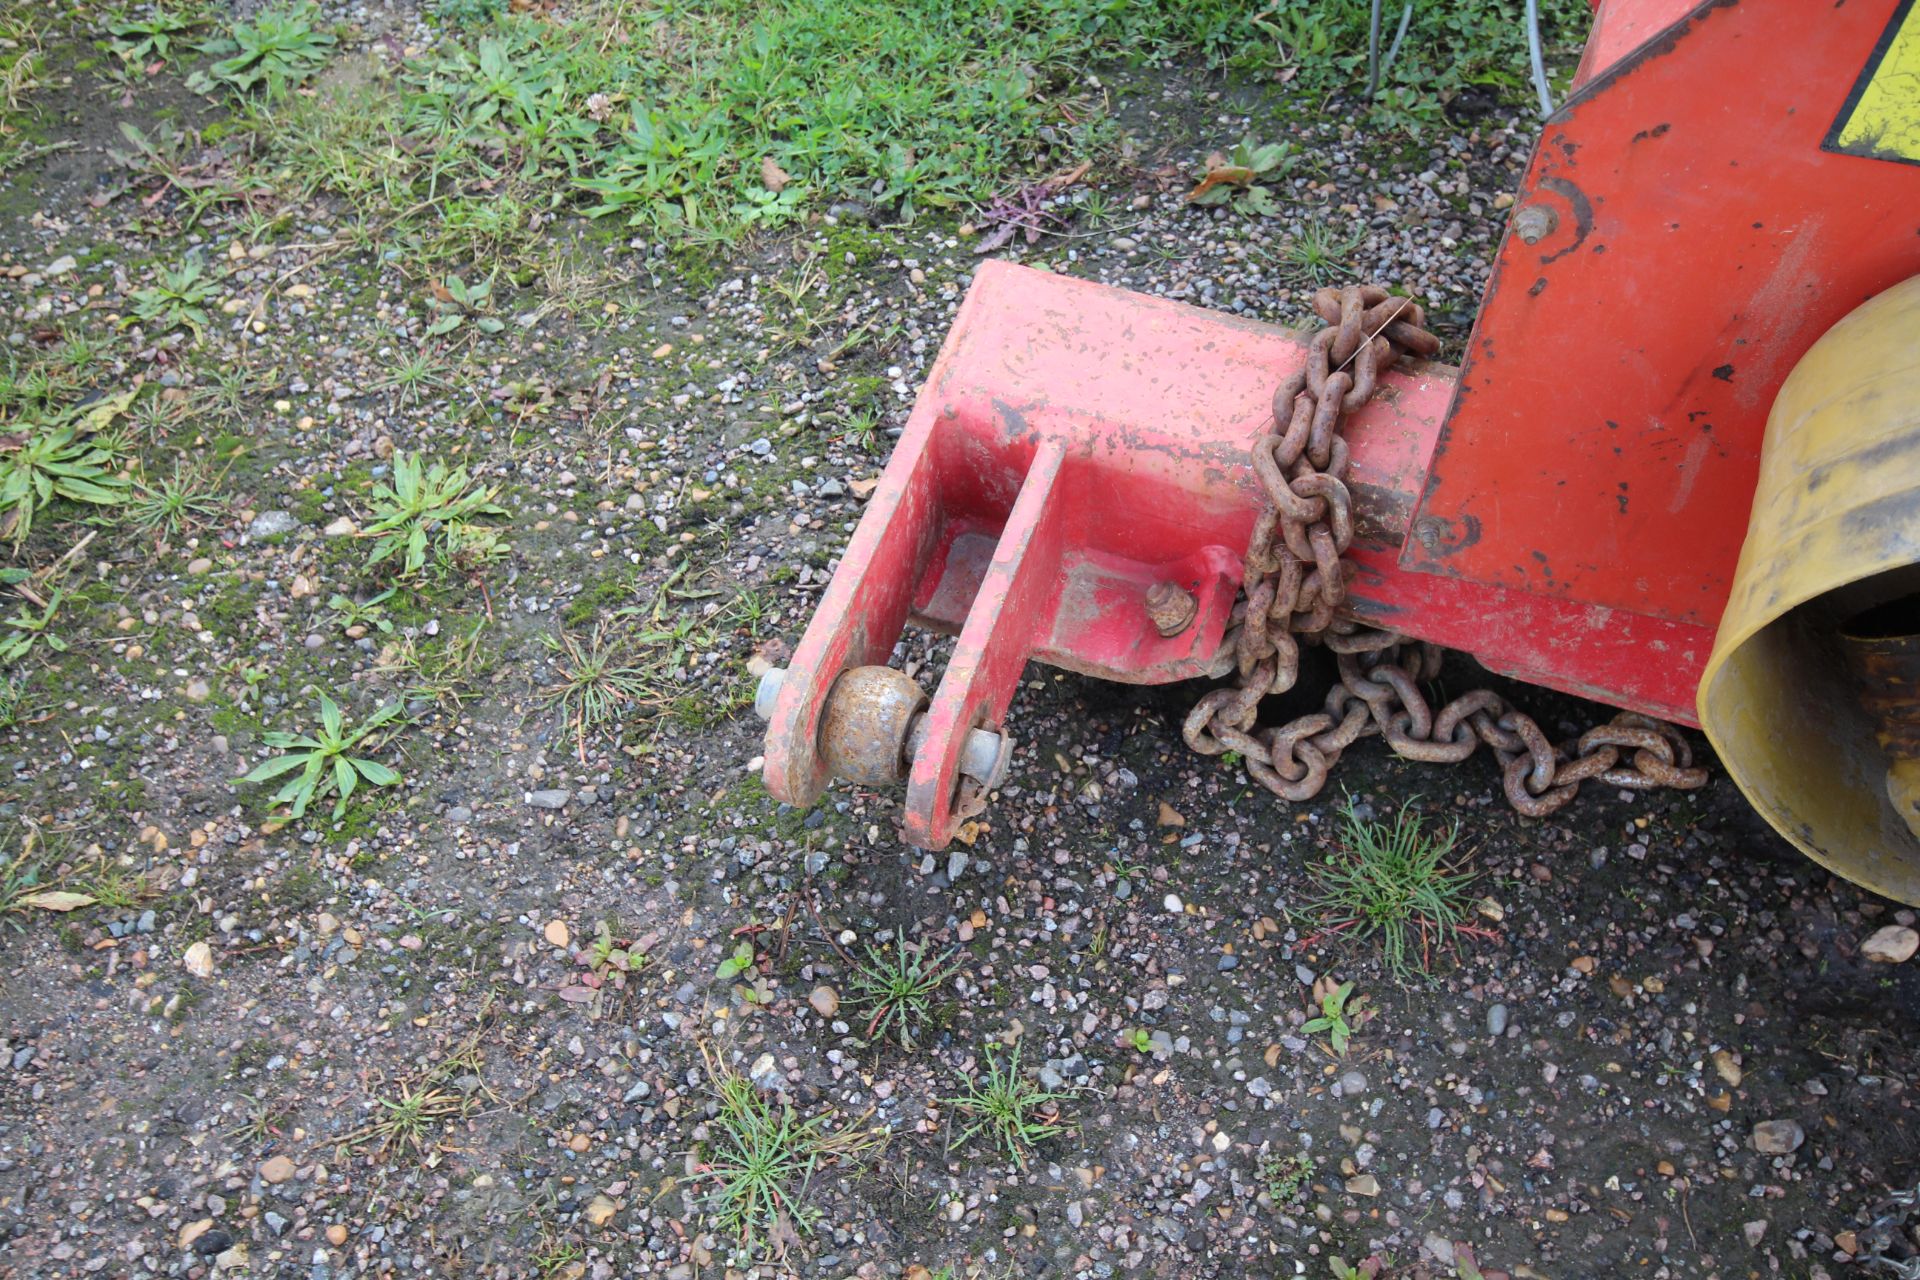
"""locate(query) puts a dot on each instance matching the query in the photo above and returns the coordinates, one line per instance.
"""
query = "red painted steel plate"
(1605, 437)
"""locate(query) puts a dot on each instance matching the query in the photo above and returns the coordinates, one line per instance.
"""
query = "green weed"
(277, 49)
(1284, 1177)
(1333, 1019)
(47, 462)
(899, 986)
(1009, 1109)
(325, 759)
(454, 303)
(176, 300)
(370, 613)
(1236, 176)
(139, 39)
(435, 507)
(1397, 885)
(31, 624)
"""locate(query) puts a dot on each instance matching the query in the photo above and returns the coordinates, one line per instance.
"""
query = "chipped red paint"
(1614, 396)
(1076, 444)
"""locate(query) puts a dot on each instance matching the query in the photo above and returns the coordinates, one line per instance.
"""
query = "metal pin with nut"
(875, 723)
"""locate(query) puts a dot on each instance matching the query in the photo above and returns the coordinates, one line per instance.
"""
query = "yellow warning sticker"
(1881, 118)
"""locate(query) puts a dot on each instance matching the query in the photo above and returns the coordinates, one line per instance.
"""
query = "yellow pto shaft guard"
(1810, 696)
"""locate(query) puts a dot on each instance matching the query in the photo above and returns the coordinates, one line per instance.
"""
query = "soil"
(1574, 1094)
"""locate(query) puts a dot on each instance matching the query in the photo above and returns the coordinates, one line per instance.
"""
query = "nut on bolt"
(1534, 222)
(1171, 607)
(984, 756)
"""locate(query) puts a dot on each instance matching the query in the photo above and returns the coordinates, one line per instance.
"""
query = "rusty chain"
(1889, 1231)
(1296, 580)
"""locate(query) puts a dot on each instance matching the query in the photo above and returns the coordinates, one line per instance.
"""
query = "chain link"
(1296, 581)
(1889, 1229)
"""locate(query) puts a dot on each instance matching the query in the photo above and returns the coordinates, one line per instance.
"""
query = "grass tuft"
(595, 683)
(1396, 885)
(760, 1158)
(1011, 1110)
(899, 986)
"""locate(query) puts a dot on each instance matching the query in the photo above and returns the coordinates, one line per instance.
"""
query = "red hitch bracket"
(1076, 446)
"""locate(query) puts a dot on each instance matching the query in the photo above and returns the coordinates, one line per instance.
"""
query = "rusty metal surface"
(1084, 480)
(1296, 583)
(1882, 646)
(1690, 239)
(1171, 607)
(863, 735)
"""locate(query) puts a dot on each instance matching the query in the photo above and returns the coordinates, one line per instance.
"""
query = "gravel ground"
(1671, 1057)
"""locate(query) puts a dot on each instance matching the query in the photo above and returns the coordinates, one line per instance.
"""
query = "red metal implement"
(1568, 508)
(1075, 445)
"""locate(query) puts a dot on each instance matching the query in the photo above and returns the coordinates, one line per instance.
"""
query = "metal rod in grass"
(1376, 68)
(1535, 61)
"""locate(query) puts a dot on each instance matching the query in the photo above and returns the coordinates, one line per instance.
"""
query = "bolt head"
(1534, 222)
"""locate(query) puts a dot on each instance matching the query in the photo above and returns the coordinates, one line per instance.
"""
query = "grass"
(707, 121)
(899, 986)
(1318, 254)
(407, 1121)
(167, 507)
(1396, 885)
(14, 707)
(1011, 1111)
(556, 1256)
(412, 376)
(440, 672)
(759, 1159)
(35, 878)
(595, 682)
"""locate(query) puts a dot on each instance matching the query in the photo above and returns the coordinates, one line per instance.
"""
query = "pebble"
(1727, 1067)
(276, 1170)
(344, 527)
(272, 524)
(199, 567)
(555, 798)
(825, 1001)
(1778, 1137)
(1894, 944)
(1497, 1020)
(198, 960)
(557, 933)
(1173, 904)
